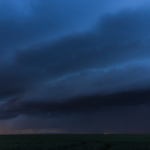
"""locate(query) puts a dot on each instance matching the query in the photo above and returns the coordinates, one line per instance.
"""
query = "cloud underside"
(107, 66)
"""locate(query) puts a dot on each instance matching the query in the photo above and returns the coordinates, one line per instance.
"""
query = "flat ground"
(75, 142)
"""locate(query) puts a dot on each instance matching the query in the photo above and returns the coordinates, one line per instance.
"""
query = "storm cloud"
(74, 59)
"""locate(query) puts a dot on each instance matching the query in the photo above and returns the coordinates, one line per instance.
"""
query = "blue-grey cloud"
(23, 23)
(73, 66)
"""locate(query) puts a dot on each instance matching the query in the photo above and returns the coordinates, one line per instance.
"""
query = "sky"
(74, 66)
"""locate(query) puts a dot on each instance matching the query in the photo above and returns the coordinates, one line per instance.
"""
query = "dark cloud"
(17, 80)
(80, 73)
(89, 103)
(119, 38)
(23, 23)
(110, 120)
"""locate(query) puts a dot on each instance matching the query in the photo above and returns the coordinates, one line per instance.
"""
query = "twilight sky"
(74, 66)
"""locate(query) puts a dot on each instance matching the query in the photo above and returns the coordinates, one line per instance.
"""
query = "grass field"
(75, 142)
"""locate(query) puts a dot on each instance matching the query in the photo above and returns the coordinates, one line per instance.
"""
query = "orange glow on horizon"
(31, 131)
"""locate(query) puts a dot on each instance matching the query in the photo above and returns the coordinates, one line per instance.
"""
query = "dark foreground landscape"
(75, 142)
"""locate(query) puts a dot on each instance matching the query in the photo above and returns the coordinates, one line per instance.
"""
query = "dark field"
(75, 142)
